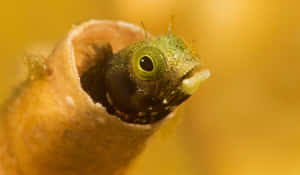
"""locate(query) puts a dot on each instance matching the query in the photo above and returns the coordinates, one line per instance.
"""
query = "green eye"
(148, 63)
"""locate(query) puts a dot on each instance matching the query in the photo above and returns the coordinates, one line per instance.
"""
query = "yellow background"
(245, 120)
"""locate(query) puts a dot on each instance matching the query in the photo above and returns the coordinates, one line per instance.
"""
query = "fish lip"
(192, 80)
(196, 68)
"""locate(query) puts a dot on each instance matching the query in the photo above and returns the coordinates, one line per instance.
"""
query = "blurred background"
(244, 120)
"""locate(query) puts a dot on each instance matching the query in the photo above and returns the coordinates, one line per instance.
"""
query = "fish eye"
(148, 63)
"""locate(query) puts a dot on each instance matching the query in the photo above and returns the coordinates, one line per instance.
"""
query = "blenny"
(145, 81)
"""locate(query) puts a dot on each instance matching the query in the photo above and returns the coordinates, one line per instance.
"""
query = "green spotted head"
(147, 80)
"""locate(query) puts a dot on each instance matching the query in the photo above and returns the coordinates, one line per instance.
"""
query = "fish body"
(144, 82)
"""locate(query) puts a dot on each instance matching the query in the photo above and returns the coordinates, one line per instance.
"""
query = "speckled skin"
(141, 100)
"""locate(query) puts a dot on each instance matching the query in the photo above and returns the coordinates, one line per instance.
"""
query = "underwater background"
(244, 120)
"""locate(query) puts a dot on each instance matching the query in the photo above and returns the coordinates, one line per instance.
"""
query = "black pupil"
(146, 63)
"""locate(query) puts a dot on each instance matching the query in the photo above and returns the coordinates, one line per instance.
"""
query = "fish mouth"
(191, 83)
